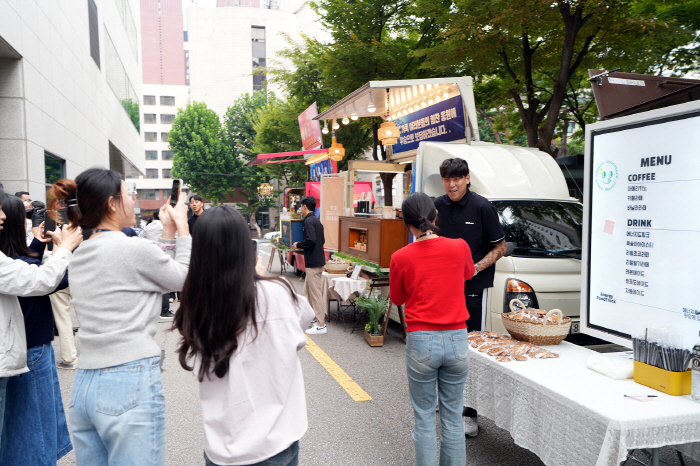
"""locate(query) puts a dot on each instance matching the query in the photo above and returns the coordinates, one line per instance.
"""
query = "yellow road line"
(349, 385)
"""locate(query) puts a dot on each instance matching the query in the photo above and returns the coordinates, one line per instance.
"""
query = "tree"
(540, 47)
(371, 40)
(201, 156)
(239, 135)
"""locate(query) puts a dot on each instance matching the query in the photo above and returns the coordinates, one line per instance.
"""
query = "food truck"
(437, 120)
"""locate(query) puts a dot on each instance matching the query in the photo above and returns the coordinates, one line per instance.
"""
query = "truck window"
(542, 228)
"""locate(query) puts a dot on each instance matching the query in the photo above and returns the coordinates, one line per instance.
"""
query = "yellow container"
(673, 383)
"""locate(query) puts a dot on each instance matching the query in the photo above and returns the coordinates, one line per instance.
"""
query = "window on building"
(150, 137)
(258, 35)
(151, 155)
(186, 38)
(148, 195)
(163, 137)
(94, 32)
(149, 100)
(129, 24)
(54, 169)
(167, 100)
(166, 173)
(166, 119)
(119, 82)
(167, 155)
(149, 118)
(152, 173)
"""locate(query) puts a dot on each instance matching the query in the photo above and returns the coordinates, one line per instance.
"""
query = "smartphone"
(38, 216)
(255, 247)
(175, 193)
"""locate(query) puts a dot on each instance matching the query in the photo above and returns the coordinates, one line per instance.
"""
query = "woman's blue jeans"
(36, 431)
(287, 457)
(117, 415)
(438, 358)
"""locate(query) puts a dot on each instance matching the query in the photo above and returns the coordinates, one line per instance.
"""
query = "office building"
(70, 86)
(229, 43)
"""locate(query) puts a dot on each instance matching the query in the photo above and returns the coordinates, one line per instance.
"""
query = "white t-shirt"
(258, 409)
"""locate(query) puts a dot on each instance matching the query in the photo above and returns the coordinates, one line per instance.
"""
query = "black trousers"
(165, 303)
(475, 306)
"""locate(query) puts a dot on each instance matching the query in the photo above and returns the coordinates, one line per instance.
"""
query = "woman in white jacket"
(17, 278)
(243, 332)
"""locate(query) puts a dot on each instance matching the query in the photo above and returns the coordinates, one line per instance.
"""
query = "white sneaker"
(316, 330)
(471, 428)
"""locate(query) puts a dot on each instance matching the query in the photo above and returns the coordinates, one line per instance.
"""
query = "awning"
(284, 156)
(401, 94)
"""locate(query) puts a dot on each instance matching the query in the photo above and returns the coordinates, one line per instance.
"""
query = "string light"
(325, 128)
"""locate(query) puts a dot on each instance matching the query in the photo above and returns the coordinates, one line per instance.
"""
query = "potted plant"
(374, 309)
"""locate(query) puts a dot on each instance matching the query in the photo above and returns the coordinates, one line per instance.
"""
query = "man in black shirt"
(197, 205)
(464, 214)
(314, 260)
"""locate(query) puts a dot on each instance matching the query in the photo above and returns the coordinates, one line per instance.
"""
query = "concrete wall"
(55, 98)
(221, 63)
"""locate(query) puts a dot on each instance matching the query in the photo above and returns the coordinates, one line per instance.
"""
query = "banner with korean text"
(443, 121)
(332, 203)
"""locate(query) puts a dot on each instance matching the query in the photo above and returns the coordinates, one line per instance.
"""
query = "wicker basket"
(335, 267)
(540, 334)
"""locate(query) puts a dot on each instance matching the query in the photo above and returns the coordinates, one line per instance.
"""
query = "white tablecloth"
(570, 415)
(325, 285)
(347, 288)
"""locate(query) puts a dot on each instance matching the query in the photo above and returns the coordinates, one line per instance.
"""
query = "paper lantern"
(388, 133)
(336, 152)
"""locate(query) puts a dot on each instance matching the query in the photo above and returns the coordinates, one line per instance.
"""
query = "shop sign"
(443, 121)
(310, 129)
(324, 167)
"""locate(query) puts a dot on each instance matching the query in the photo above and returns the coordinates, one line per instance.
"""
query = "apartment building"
(70, 87)
(164, 91)
(160, 104)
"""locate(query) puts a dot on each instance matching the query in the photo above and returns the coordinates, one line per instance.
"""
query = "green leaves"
(202, 159)
(374, 309)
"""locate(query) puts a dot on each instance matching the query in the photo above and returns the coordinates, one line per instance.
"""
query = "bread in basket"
(536, 326)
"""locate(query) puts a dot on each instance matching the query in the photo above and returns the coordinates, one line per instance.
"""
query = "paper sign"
(609, 227)
(626, 82)
(356, 272)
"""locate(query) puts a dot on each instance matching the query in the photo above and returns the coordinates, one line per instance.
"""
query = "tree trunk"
(387, 179)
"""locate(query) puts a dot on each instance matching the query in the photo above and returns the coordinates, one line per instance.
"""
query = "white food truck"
(542, 223)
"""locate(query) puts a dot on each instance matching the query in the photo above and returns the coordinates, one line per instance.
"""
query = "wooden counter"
(383, 238)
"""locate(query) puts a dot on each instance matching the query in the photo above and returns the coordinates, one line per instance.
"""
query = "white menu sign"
(644, 228)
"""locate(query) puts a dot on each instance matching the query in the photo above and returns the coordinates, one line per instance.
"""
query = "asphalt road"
(341, 431)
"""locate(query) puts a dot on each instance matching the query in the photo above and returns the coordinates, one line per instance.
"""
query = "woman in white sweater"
(243, 331)
(117, 406)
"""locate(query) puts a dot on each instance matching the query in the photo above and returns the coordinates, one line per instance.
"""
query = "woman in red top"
(428, 277)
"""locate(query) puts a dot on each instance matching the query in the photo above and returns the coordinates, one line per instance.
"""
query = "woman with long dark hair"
(117, 406)
(428, 276)
(242, 331)
(17, 278)
(35, 430)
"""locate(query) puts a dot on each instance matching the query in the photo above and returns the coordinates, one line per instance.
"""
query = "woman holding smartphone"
(18, 278)
(35, 397)
(117, 406)
(428, 276)
(234, 322)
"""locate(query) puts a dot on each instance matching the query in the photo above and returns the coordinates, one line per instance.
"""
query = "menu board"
(644, 228)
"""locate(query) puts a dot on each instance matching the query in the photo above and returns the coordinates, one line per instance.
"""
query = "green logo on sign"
(606, 176)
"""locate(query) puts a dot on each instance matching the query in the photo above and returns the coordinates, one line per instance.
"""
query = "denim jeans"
(117, 415)
(440, 357)
(36, 431)
(3, 397)
(287, 457)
